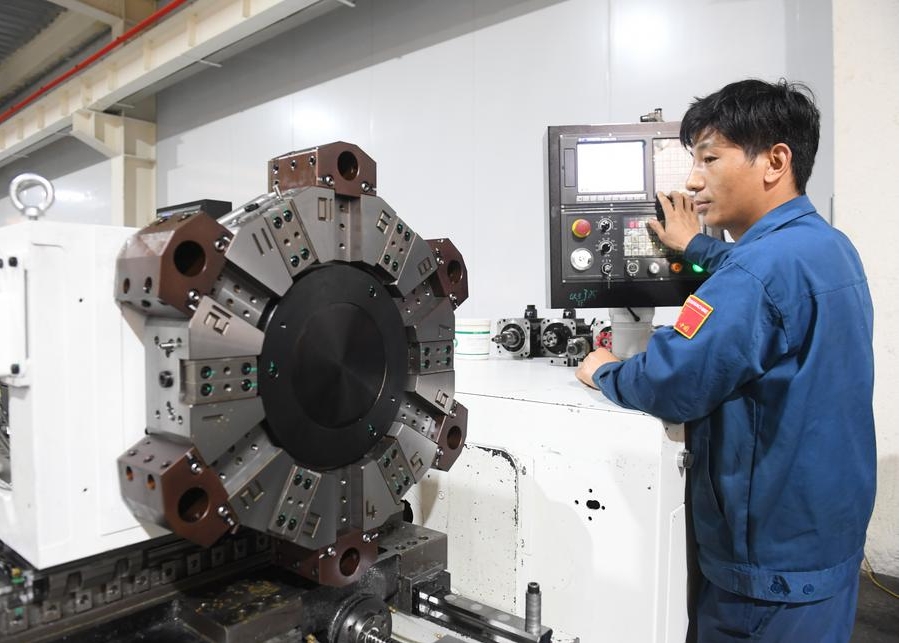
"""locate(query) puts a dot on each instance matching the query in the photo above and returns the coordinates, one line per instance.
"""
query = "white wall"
(453, 99)
(81, 181)
(809, 56)
(866, 208)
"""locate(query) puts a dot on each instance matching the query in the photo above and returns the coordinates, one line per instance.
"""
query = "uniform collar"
(774, 219)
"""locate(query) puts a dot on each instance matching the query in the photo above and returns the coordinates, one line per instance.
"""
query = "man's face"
(729, 187)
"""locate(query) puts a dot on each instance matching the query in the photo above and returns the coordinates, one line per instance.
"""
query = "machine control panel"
(626, 248)
(603, 181)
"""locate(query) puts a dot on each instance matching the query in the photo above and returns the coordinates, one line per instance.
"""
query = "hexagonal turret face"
(451, 279)
(337, 565)
(252, 419)
(450, 434)
(170, 484)
(340, 166)
(170, 264)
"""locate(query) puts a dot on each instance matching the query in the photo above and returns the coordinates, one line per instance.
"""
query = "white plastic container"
(472, 339)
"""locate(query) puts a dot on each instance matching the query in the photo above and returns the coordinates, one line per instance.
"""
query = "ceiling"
(22, 20)
(41, 38)
(67, 59)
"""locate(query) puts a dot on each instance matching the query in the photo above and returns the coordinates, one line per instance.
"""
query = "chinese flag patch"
(693, 313)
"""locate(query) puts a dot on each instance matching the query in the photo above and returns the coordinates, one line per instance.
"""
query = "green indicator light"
(696, 268)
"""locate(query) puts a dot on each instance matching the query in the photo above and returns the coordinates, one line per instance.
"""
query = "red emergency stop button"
(581, 228)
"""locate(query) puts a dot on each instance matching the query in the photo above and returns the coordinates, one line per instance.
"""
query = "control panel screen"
(610, 167)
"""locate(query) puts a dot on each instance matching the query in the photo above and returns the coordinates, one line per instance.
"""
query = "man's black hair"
(755, 115)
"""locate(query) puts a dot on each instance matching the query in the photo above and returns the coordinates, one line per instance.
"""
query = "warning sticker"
(693, 313)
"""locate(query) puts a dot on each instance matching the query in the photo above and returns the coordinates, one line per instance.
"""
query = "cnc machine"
(239, 424)
(209, 425)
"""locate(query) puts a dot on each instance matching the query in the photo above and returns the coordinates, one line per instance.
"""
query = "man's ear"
(779, 163)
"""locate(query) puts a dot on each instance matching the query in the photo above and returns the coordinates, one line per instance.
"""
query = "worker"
(770, 367)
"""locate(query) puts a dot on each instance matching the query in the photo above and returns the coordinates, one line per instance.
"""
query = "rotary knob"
(605, 225)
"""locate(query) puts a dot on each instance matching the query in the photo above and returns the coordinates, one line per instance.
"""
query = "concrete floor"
(876, 612)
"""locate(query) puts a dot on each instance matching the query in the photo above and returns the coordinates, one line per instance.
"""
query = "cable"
(871, 574)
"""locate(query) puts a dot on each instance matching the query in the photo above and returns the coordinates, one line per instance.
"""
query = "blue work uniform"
(775, 388)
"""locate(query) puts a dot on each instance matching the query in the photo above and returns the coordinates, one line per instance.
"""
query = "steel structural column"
(131, 146)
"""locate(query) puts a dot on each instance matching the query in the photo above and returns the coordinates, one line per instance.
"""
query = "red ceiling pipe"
(128, 35)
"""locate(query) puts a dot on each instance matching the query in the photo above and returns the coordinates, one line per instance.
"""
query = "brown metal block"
(170, 484)
(167, 266)
(337, 565)
(450, 434)
(341, 166)
(451, 279)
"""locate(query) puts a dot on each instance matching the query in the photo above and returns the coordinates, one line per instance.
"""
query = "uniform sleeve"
(707, 252)
(680, 379)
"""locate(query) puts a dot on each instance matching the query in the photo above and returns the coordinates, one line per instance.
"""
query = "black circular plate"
(333, 363)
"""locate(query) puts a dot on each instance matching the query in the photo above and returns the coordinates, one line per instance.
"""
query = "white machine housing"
(558, 485)
(73, 364)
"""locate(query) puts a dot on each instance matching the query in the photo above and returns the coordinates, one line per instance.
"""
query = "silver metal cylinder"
(533, 609)
(374, 636)
(631, 330)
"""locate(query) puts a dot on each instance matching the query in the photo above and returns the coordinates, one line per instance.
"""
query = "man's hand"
(591, 363)
(682, 223)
